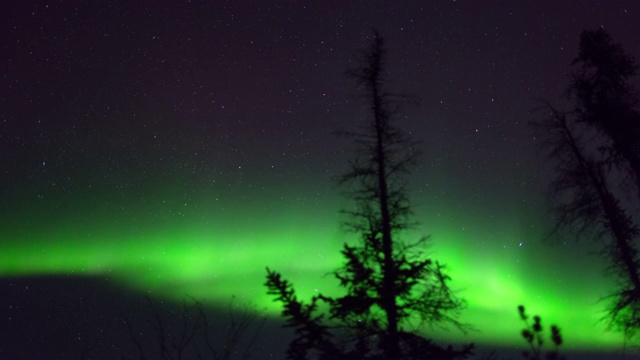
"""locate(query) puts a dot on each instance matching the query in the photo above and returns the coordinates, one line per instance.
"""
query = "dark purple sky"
(123, 106)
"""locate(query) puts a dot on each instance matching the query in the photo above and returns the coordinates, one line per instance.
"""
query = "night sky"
(177, 149)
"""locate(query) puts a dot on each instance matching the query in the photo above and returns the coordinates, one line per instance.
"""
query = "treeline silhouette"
(389, 282)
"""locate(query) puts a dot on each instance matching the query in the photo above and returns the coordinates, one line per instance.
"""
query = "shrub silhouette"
(532, 333)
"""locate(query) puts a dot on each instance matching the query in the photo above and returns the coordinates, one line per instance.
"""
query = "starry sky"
(175, 149)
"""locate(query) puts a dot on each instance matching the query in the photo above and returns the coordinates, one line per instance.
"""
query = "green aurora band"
(214, 255)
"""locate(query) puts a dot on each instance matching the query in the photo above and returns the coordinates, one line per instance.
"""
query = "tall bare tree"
(584, 201)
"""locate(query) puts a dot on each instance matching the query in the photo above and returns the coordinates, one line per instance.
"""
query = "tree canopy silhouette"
(605, 100)
(595, 148)
(388, 282)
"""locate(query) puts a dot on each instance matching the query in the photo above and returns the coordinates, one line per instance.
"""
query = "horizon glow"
(214, 260)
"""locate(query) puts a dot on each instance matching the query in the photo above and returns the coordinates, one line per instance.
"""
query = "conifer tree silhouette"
(605, 100)
(387, 281)
(593, 146)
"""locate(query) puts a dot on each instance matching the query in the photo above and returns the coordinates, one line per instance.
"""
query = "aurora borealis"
(179, 149)
(185, 261)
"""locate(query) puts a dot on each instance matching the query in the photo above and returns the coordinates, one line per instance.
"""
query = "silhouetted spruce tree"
(588, 145)
(606, 101)
(388, 282)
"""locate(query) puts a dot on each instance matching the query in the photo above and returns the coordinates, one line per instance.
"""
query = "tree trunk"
(391, 346)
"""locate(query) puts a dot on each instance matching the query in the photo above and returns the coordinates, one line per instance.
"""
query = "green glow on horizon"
(215, 260)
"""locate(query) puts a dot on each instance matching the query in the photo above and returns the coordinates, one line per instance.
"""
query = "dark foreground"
(84, 318)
